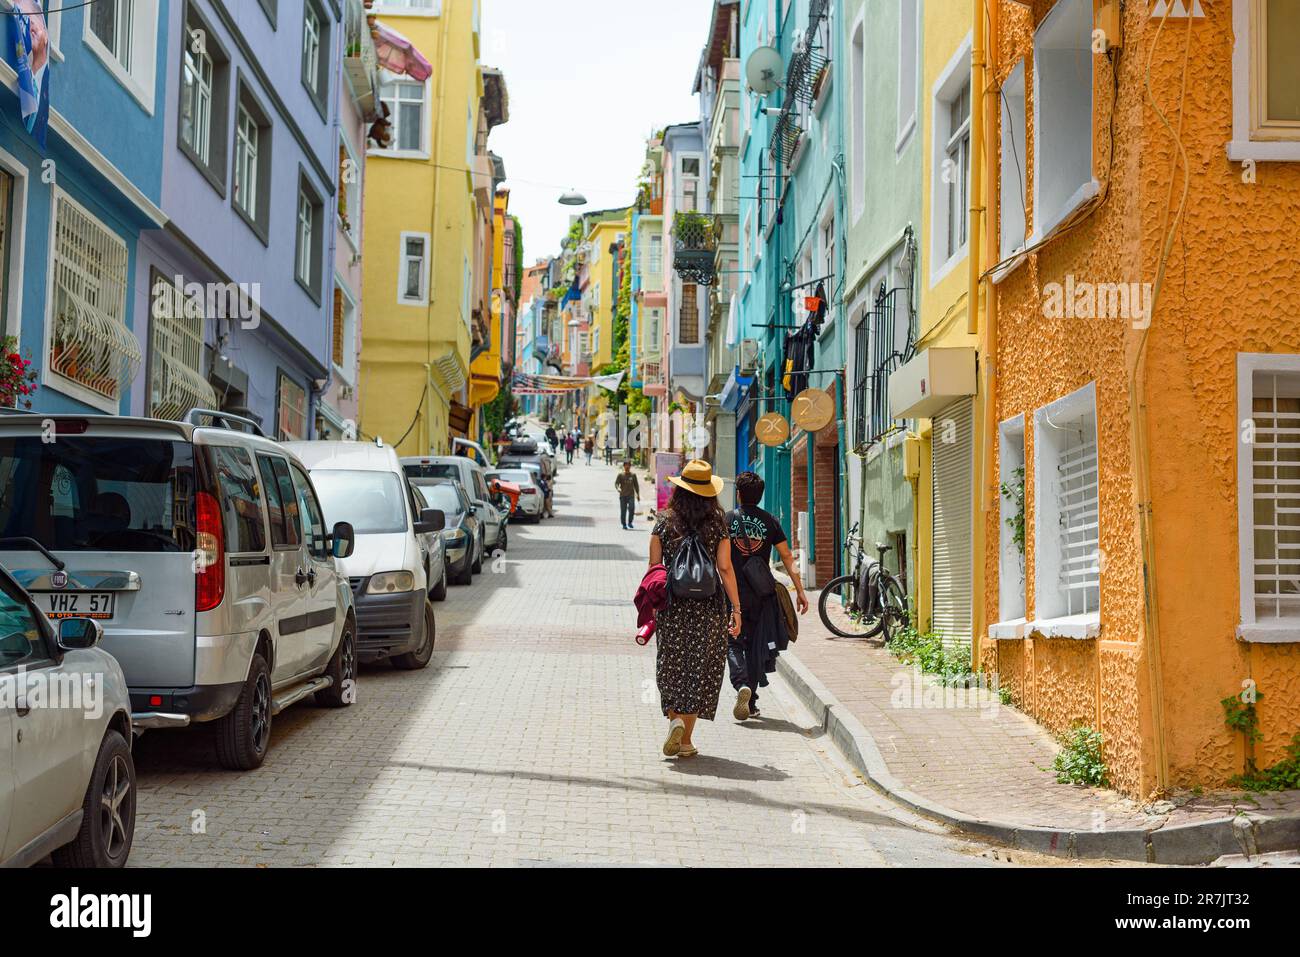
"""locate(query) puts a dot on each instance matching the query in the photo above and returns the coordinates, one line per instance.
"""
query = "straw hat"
(698, 477)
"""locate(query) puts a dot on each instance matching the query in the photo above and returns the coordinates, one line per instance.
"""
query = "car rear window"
(432, 470)
(442, 497)
(98, 493)
(512, 476)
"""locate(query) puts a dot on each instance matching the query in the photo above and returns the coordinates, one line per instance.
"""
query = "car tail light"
(529, 491)
(210, 555)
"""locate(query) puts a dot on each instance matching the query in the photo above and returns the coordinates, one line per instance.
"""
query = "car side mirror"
(345, 540)
(78, 634)
(431, 520)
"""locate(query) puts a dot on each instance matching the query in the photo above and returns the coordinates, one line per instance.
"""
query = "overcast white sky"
(588, 81)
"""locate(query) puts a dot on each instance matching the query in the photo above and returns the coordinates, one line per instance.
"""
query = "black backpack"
(692, 573)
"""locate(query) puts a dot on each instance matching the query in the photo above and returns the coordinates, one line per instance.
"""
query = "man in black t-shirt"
(752, 655)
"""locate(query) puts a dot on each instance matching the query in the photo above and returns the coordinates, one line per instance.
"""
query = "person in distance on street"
(629, 493)
(691, 632)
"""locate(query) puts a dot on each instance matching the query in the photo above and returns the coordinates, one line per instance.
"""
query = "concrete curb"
(1199, 843)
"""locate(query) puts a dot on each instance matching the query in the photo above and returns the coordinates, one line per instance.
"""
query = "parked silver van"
(203, 552)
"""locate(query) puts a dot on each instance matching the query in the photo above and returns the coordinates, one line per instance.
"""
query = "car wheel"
(343, 672)
(108, 812)
(439, 592)
(463, 576)
(503, 541)
(244, 735)
(419, 658)
(477, 567)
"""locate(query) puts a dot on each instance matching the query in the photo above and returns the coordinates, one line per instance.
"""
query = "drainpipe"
(979, 82)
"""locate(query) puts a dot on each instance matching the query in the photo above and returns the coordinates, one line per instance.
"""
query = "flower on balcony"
(17, 377)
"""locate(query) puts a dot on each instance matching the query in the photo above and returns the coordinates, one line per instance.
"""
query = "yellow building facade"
(419, 214)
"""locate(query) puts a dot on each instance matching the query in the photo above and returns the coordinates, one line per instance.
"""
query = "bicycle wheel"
(839, 611)
(894, 601)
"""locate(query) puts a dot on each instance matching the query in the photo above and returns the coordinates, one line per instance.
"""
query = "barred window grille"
(1276, 495)
(176, 383)
(861, 380)
(689, 323)
(1075, 488)
(90, 343)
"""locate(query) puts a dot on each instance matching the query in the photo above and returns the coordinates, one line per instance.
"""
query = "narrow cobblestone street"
(531, 740)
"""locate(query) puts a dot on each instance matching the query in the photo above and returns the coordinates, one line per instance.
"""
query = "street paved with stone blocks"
(531, 740)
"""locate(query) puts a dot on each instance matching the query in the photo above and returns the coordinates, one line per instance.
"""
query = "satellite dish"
(763, 70)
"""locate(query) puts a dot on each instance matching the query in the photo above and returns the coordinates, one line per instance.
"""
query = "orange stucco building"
(1143, 345)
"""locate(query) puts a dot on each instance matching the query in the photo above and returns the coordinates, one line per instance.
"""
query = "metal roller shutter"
(953, 478)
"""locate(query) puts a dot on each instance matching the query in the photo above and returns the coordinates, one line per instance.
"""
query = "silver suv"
(201, 548)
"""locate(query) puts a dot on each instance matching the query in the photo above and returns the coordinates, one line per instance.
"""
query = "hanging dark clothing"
(799, 358)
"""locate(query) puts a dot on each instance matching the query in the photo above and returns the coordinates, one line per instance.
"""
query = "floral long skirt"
(691, 637)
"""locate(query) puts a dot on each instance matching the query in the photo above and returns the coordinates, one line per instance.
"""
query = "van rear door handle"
(300, 577)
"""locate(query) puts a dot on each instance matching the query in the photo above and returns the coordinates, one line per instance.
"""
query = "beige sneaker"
(676, 729)
(741, 711)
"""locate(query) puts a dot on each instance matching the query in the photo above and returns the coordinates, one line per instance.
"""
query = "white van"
(389, 566)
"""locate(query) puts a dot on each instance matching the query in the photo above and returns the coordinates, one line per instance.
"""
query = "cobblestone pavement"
(531, 740)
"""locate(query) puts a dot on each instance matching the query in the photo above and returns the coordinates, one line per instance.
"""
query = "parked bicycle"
(868, 602)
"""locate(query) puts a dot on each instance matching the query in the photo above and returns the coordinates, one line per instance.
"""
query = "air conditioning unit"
(750, 352)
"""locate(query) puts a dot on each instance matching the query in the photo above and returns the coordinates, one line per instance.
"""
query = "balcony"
(361, 61)
(695, 247)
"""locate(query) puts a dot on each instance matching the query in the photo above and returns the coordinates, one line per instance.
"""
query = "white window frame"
(202, 146)
(114, 314)
(954, 78)
(1048, 165)
(348, 371)
(53, 24)
(1249, 142)
(304, 235)
(828, 258)
(909, 71)
(395, 151)
(402, 298)
(1059, 611)
(246, 154)
(16, 240)
(312, 35)
(1013, 199)
(1013, 572)
(1251, 627)
(355, 193)
(138, 73)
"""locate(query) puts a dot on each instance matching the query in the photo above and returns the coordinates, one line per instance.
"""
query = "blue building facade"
(172, 245)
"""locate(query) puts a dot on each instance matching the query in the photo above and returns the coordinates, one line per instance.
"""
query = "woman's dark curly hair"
(688, 512)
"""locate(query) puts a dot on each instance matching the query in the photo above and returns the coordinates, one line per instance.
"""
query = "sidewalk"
(986, 768)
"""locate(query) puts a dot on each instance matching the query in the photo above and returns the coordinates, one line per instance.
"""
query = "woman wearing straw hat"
(692, 633)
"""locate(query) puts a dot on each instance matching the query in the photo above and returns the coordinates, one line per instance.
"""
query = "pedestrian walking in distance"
(629, 493)
(570, 443)
(754, 532)
(692, 633)
(589, 447)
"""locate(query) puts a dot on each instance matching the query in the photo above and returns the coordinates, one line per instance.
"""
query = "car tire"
(244, 735)
(477, 567)
(439, 592)
(503, 540)
(464, 576)
(419, 658)
(342, 670)
(107, 813)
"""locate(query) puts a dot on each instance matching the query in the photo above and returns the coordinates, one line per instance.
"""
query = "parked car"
(203, 551)
(68, 782)
(462, 535)
(390, 572)
(473, 478)
(530, 493)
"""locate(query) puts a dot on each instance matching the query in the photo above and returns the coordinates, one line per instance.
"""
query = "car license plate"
(78, 604)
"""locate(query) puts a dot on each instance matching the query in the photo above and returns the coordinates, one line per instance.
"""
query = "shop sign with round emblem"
(772, 429)
(812, 410)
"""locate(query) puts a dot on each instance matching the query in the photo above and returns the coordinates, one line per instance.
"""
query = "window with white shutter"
(1066, 514)
(90, 346)
(1275, 496)
(176, 382)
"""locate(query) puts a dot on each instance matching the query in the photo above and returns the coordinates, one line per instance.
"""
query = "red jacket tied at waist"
(651, 595)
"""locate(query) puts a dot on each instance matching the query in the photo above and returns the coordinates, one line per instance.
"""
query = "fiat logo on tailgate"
(59, 579)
